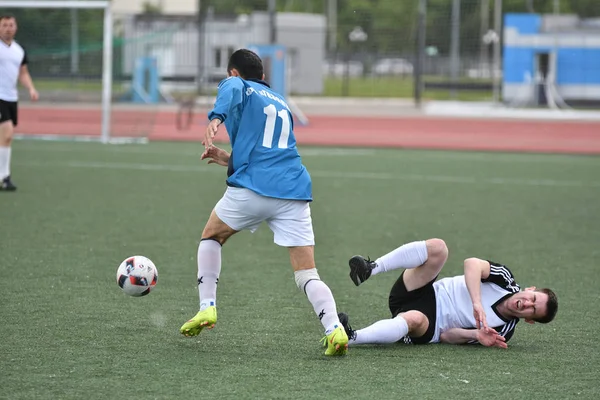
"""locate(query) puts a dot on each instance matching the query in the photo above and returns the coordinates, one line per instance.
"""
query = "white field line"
(412, 155)
(197, 151)
(326, 174)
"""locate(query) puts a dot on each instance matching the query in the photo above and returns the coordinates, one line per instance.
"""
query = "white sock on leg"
(5, 153)
(410, 255)
(323, 303)
(209, 269)
(382, 332)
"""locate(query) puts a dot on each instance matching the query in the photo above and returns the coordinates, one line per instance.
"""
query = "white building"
(173, 40)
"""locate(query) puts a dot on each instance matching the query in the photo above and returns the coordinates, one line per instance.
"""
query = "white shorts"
(289, 220)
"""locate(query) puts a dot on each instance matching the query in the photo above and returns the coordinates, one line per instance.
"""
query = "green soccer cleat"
(336, 342)
(206, 318)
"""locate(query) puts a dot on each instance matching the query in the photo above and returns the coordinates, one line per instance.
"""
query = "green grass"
(75, 85)
(395, 87)
(67, 331)
(333, 87)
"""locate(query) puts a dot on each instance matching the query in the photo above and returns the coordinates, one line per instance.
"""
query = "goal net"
(75, 54)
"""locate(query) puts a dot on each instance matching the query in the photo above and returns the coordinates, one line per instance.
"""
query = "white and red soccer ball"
(137, 275)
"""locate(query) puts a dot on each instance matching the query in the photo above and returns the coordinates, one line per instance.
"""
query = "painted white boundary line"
(327, 174)
(412, 155)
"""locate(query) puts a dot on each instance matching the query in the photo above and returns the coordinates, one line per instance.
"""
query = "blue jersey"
(264, 157)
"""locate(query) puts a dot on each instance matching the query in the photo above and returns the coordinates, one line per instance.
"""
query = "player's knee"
(416, 321)
(219, 232)
(212, 239)
(303, 276)
(437, 250)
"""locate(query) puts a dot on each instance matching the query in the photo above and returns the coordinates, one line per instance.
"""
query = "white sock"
(5, 153)
(209, 269)
(410, 255)
(382, 332)
(321, 298)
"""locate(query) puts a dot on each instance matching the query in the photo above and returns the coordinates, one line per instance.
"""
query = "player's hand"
(479, 314)
(211, 131)
(34, 94)
(491, 338)
(216, 156)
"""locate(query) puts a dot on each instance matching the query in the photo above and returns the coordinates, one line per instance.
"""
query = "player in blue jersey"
(266, 183)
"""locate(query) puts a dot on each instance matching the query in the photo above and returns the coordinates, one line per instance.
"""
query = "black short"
(8, 111)
(421, 299)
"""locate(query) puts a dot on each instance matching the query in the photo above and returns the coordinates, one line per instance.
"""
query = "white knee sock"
(209, 269)
(321, 298)
(410, 255)
(5, 153)
(382, 332)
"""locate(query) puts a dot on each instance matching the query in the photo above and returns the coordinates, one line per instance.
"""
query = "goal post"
(88, 116)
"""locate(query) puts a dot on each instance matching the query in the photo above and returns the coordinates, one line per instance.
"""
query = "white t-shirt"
(12, 57)
(455, 308)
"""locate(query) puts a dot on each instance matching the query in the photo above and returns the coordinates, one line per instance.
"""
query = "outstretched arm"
(476, 270)
(486, 337)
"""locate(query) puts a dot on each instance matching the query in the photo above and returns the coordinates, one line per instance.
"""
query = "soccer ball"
(137, 275)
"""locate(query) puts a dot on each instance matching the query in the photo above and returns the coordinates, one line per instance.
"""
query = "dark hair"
(551, 307)
(247, 63)
(7, 16)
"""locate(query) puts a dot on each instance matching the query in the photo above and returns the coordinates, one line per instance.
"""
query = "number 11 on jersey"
(272, 114)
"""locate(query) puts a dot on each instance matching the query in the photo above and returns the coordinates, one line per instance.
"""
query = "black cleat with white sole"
(360, 269)
(344, 320)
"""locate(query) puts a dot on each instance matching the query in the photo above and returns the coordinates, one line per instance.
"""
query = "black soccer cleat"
(360, 269)
(346, 324)
(7, 185)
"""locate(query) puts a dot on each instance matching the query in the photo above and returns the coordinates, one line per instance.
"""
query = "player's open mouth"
(519, 303)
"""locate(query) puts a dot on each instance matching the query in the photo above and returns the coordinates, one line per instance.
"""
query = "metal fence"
(452, 47)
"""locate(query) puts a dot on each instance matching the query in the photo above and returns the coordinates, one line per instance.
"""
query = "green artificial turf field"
(68, 332)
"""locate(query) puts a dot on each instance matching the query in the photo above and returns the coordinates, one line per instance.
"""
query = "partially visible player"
(13, 68)
(266, 183)
(482, 306)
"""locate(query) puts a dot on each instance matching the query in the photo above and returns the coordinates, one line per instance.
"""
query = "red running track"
(398, 132)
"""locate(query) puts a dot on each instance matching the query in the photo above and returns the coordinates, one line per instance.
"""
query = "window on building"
(218, 58)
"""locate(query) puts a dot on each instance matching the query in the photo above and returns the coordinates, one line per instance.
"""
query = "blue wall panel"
(526, 24)
(517, 63)
(578, 66)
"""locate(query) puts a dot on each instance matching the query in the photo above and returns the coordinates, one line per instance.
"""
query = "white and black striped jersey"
(12, 57)
(455, 308)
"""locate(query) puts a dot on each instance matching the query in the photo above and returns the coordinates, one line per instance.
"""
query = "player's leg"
(437, 254)
(422, 261)
(225, 220)
(320, 296)
(412, 323)
(214, 235)
(7, 123)
(414, 315)
(292, 228)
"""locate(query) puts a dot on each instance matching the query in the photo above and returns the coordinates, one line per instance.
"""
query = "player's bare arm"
(27, 82)
(211, 132)
(488, 338)
(216, 155)
(476, 270)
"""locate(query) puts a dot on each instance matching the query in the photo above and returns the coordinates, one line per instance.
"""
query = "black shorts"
(421, 299)
(8, 111)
